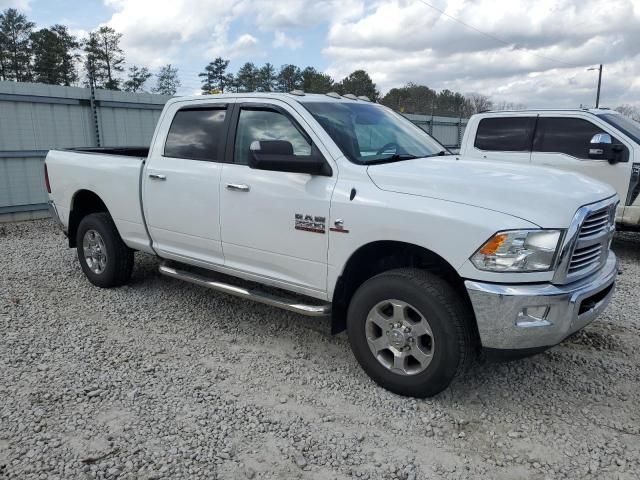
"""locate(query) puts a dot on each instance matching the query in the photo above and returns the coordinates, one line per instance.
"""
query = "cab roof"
(297, 96)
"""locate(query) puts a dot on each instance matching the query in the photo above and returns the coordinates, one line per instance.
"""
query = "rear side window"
(508, 134)
(565, 135)
(196, 134)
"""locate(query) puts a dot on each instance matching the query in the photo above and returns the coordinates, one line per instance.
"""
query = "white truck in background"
(599, 143)
(348, 210)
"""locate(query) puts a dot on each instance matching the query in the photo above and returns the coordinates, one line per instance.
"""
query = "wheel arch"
(380, 256)
(83, 203)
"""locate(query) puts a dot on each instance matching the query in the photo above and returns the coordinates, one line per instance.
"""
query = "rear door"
(274, 224)
(503, 139)
(181, 182)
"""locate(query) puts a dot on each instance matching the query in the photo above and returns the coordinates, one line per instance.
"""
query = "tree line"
(56, 57)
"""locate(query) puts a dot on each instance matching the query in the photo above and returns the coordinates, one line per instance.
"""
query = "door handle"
(157, 176)
(237, 187)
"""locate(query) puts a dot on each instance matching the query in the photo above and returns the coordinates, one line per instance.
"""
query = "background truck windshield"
(367, 133)
(626, 125)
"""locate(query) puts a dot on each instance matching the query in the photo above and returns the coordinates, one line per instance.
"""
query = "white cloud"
(402, 41)
(282, 40)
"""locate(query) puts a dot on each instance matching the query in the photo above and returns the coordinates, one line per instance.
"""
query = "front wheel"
(409, 330)
(105, 259)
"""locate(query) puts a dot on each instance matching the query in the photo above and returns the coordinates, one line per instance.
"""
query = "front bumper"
(513, 317)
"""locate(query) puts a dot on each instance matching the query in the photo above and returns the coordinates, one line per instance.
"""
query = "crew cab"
(600, 143)
(334, 205)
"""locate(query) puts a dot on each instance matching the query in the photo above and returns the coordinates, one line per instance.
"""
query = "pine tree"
(15, 46)
(137, 78)
(248, 78)
(167, 81)
(104, 57)
(358, 83)
(267, 78)
(54, 56)
(289, 78)
(215, 77)
(314, 81)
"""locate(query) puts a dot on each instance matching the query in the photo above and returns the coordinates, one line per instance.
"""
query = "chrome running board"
(250, 294)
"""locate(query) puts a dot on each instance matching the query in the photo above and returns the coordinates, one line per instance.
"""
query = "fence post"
(460, 131)
(92, 102)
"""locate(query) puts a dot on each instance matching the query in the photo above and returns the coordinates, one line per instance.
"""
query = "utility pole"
(599, 83)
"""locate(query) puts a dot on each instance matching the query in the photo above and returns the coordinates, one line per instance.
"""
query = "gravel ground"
(161, 379)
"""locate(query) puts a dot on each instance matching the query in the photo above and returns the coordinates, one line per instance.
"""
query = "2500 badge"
(310, 223)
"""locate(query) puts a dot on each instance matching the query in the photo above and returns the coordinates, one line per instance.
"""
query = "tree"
(248, 78)
(504, 105)
(15, 46)
(215, 76)
(411, 98)
(630, 111)
(314, 81)
(450, 103)
(54, 56)
(476, 103)
(267, 78)
(137, 78)
(289, 78)
(104, 57)
(167, 81)
(358, 83)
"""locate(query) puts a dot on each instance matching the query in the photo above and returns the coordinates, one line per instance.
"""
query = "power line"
(493, 37)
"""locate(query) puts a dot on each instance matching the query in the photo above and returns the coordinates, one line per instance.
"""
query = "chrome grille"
(587, 243)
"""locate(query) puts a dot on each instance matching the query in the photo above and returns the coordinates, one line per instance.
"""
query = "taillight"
(46, 179)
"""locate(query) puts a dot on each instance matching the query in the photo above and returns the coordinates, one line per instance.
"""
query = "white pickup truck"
(339, 206)
(599, 143)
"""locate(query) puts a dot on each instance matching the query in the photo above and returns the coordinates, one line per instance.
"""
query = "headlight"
(518, 251)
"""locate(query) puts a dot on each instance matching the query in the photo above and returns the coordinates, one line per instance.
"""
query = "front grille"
(585, 257)
(592, 241)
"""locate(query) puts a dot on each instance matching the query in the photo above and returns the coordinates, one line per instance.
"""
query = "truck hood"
(544, 196)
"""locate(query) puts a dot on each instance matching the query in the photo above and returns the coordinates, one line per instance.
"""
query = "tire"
(418, 295)
(114, 260)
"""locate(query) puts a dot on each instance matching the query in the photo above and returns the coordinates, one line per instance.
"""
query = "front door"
(275, 224)
(181, 183)
(564, 142)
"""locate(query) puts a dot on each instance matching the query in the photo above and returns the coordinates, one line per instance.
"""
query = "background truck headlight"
(519, 251)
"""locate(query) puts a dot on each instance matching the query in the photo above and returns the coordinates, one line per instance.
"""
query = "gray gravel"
(161, 379)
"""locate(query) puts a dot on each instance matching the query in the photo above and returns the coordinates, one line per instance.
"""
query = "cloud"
(282, 40)
(535, 52)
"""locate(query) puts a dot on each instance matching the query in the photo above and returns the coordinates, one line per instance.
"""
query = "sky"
(531, 52)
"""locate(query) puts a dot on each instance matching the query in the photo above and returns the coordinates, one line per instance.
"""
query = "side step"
(250, 294)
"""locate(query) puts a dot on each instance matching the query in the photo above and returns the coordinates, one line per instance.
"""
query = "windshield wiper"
(396, 157)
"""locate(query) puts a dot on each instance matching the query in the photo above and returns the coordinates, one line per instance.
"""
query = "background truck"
(335, 205)
(599, 143)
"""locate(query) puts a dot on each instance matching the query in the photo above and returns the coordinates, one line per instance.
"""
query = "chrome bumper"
(53, 211)
(539, 315)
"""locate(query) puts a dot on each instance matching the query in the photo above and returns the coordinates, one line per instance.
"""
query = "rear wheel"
(104, 257)
(409, 330)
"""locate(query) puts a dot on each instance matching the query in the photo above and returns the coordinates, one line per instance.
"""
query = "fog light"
(533, 317)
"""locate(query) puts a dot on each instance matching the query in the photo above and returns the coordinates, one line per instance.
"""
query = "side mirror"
(602, 147)
(277, 156)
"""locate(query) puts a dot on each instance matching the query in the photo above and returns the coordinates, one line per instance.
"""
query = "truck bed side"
(114, 178)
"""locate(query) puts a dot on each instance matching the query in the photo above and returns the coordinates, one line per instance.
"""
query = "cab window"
(505, 134)
(196, 134)
(571, 136)
(266, 124)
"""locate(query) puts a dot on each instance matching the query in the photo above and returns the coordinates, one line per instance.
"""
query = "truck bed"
(122, 151)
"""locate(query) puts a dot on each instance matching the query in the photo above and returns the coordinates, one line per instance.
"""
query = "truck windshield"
(629, 127)
(368, 133)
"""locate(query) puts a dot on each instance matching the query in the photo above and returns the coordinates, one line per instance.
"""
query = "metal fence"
(447, 130)
(36, 117)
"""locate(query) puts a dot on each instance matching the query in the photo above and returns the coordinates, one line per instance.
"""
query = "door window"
(571, 136)
(197, 134)
(264, 124)
(506, 134)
